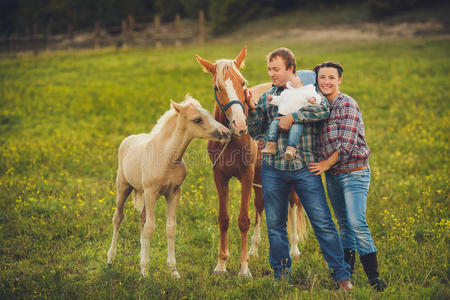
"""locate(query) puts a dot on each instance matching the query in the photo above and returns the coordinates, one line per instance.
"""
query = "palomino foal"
(241, 159)
(151, 165)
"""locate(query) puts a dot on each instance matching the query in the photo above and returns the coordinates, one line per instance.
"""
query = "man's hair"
(287, 56)
(329, 64)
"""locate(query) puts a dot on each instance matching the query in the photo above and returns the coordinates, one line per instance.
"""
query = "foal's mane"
(168, 119)
(226, 65)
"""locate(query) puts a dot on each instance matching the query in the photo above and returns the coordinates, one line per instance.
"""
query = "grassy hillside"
(63, 116)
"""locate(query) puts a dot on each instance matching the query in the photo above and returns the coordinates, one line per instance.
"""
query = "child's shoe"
(271, 148)
(290, 152)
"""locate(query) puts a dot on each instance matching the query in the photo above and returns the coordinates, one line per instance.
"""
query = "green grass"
(63, 116)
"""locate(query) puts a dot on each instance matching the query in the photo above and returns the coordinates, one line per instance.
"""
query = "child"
(289, 101)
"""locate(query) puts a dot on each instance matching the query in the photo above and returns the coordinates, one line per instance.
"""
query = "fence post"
(124, 34)
(97, 35)
(177, 30)
(35, 39)
(131, 29)
(201, 27)
(70, 36)
(157, 21)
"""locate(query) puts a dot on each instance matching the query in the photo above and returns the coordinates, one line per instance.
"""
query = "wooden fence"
(129, 34)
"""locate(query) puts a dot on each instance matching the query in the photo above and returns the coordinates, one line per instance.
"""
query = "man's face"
(328, 81)
(277, 71)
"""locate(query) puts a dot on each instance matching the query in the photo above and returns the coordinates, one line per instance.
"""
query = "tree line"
(18, 16)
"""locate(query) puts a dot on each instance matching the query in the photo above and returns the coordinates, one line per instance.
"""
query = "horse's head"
(229, 85)
(198, 122)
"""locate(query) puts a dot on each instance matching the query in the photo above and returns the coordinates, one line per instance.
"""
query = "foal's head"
(229, 89)
(198, 122)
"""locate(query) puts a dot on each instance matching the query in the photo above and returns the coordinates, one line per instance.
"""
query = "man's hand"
(249, 100)
(285, 122)
(269, 98)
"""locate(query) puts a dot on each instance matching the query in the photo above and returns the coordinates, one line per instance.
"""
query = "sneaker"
(290, 152)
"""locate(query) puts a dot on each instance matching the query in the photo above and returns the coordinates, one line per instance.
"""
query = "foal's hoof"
(253, 252)
(220, 272)
(246, 274)
(175, 274)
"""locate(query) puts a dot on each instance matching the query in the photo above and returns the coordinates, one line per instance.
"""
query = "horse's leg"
(259, 205)
(221, 182)
(171, 228)
(123, 190)
(244, 219)
(150, 197)
(292, 224)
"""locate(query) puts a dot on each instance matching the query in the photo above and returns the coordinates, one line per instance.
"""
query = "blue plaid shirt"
(310, 117)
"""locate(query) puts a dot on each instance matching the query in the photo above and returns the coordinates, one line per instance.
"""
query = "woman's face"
(328, 81)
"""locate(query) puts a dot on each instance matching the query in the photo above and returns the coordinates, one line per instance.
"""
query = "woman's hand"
(320, 167)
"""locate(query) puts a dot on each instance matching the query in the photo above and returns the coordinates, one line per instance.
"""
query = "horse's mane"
(224, 65)
(166, 120)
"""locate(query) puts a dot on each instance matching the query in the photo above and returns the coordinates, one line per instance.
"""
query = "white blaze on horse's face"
(237, 119)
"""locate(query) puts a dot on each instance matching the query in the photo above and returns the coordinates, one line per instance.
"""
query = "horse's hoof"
(245, 274)
(220, 272)
(296, 254)
(175, 274)
(253, 252)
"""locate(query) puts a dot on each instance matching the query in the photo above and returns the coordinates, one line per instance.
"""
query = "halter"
(226, 107)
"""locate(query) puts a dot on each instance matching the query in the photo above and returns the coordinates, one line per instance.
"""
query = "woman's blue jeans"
(276, 186)
(295, 132)
(348, 196)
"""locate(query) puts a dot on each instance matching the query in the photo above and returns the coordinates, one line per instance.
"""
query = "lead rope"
(221, 152)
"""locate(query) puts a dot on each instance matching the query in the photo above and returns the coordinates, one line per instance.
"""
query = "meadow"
(64, 114)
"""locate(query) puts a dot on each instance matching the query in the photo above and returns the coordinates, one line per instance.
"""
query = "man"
(279, 174)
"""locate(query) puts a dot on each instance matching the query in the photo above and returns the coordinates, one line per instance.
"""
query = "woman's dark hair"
(329, 64)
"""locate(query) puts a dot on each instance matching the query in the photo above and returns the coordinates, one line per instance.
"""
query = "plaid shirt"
(344, 132)
(259, 121)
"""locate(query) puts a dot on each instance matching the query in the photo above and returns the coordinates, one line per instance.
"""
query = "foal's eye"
(198, 121)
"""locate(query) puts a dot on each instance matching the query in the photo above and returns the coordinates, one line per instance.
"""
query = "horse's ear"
(187, 97)
(178, 107)
(239, 60)
(207, 65)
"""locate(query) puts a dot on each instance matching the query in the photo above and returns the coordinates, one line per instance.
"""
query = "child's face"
(328, 81)
(277, 71)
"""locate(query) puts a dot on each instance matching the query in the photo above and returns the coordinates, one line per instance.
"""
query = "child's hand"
(312, 100)
(269, 98)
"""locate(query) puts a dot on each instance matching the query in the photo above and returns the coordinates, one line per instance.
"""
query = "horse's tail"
(138, 200)
(301, 223)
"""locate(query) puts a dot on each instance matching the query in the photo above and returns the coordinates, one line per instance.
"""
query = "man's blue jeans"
(348, 196)
(295, 133)
(276, 187)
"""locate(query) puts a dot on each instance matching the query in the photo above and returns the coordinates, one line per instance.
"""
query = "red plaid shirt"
(344, 132)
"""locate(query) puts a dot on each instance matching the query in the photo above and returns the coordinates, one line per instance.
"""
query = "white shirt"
(293, 99)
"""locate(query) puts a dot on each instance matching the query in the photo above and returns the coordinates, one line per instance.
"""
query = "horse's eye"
(198, 121)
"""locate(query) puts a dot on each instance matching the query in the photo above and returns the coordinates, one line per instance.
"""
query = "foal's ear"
(207, 65)
(239, 60)
(178, 107)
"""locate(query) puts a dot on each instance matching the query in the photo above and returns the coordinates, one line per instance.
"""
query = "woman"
(345, 162)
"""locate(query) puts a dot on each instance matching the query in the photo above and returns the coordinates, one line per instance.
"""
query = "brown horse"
(241, 158)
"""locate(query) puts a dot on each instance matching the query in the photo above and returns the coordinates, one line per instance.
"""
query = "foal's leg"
(123, 191)
(244, 219)
(171, 228)
(150, 197)
(259, 205)
(292, 225)
(221, 182)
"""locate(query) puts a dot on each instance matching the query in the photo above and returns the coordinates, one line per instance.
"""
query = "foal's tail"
(301, 223)
(138, 200)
